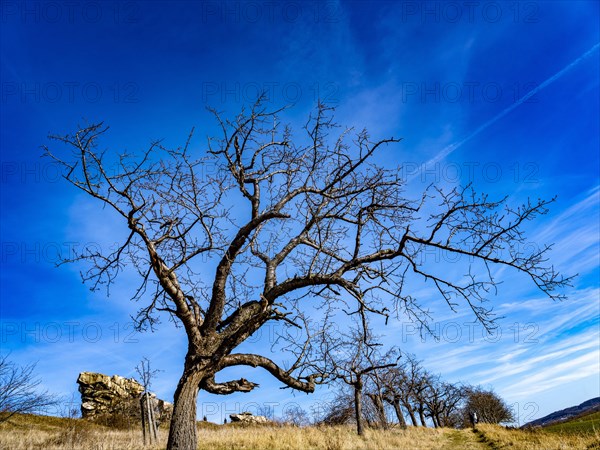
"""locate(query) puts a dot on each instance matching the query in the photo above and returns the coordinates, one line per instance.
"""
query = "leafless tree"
(395, 386)
(147, 413)
(383, 389)
(338, 411)
(442, 400)
(19, 392)
(353, 357)
(311, 217)
(453, 398)
(413, 389)
(296, 415)
(418, 390)
(405, 385)
(377, 401)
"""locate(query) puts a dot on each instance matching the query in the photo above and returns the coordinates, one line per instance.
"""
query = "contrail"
(450, 148)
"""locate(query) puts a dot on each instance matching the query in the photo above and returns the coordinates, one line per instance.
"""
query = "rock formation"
(103, 396)
(247, 417)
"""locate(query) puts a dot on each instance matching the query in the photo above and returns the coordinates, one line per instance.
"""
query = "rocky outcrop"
(103, 396)
(247, 417)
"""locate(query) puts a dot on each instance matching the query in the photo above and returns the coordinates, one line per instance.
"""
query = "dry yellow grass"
(29, 432)
(35, 432)
(499, 438)
(334, 438)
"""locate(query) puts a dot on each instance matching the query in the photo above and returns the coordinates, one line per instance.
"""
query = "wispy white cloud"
(454, 146)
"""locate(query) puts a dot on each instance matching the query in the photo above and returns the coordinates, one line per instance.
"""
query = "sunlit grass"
(39, 432)
(589, 423)
(501, 438)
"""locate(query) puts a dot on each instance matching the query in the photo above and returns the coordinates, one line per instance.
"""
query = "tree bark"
(182, 433)
(396, 404)
(380, 408)
(358, 407)
(422, 416)
(411, 413)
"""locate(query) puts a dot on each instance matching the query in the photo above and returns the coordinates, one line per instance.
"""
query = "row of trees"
(371, 382)
(265, 223)
(412, 394)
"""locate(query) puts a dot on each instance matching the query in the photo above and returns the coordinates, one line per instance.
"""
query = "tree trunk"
(182, 433)
(411, 414)
(358, 407)
(396, 404)
(380, 408)
(422, 416)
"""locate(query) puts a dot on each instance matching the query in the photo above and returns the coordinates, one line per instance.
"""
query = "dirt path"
(465, 439)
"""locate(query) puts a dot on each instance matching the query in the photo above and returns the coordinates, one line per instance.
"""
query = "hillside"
(587, 407)
(28, 432)
(585, 423)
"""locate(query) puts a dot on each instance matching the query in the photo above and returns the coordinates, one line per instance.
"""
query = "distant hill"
(587, 407)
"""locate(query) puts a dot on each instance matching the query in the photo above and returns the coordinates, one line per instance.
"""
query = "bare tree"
(414, 387)
(453, 398)
(377, 401)
(339, 410)
(419, 394)
(395, 387)
(353, 357)
(296, 415)
(405, 385)
(383, 388)
(442, 401)
(408, 385)
(19, 391)
(147, 413)
(315, 218)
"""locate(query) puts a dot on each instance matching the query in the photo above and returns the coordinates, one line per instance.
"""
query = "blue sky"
(451, 78)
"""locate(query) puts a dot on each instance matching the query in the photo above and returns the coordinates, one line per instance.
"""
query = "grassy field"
(49, 433)
(589, 423)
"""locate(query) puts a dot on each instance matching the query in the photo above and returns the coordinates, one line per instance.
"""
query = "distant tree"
(382, 389)
(453, 398)
(267, 411)
(410, 387)
(377, 402)
(396, 391)
(408, 383)
(147, 412)
(353, 358)
(488, 405)
(19, 392)
(265, 222)
(433, 398)
(295, 415)
(442, 401)
(338, 411)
